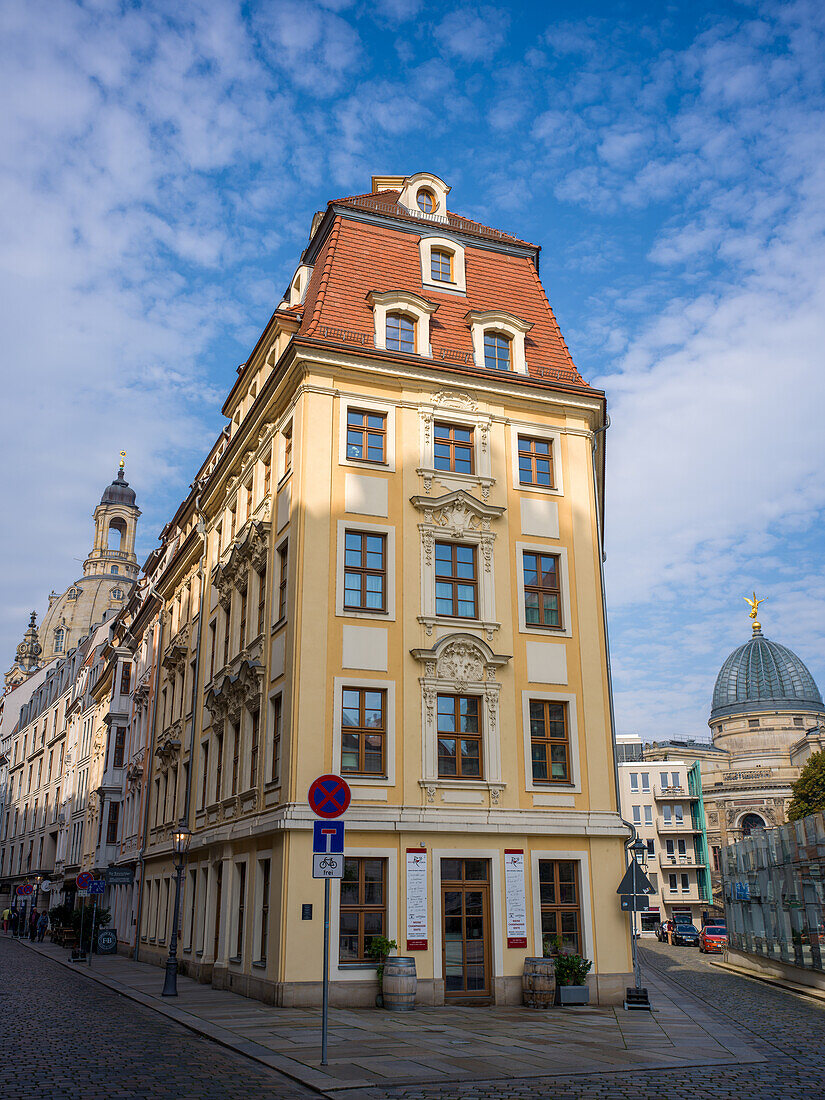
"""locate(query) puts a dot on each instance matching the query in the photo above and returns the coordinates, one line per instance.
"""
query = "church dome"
(763, 675)
(119, 492)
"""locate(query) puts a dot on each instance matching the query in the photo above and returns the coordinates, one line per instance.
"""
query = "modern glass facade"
(774, 894)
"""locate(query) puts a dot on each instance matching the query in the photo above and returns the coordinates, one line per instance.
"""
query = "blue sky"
(160, 165)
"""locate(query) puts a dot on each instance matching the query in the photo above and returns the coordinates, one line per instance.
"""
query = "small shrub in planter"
(571, 980)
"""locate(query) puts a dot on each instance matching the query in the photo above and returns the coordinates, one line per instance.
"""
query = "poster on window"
(416, 899)
(515, 897)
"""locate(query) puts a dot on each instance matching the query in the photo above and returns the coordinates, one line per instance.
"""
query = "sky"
(159, 168)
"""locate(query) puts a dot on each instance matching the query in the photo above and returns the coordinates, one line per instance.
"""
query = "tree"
(809, 789)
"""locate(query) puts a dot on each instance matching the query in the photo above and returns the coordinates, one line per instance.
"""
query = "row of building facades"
(388, 566)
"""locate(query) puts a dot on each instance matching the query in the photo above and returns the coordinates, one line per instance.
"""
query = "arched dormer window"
(400, 333)
(442, 264)
(402, 321)
(425, 195)
(497, 350)
(498, 340)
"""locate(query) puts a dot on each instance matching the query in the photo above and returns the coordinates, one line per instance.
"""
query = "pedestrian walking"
(33, 919)
(42, 925)
(6, 919)
(15, 921)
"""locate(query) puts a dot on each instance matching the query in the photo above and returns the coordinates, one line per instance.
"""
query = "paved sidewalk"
(371, 1051)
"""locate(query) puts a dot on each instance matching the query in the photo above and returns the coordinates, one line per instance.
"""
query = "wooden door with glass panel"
(465, 904)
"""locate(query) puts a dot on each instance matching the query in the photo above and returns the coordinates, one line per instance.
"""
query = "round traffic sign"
(329, 796)
(84, 880)
(25, 890)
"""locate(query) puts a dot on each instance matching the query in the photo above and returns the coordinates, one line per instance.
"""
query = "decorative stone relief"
(455, 399)
(231, 692)
(461, 663)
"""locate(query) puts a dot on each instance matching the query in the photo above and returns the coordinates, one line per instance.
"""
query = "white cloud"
(472, 34)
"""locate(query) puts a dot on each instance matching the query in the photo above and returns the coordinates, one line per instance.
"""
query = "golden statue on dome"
(123, 463)
(754, 609)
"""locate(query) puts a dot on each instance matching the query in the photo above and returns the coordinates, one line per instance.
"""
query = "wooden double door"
(465, 908)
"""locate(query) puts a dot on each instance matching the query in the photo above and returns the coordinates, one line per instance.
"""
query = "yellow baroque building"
(389, 568)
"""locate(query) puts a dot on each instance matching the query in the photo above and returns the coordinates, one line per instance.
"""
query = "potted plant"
(571, 980)
(378, 949)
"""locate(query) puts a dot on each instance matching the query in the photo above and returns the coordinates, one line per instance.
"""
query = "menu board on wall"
(515, 897)
(416, 899)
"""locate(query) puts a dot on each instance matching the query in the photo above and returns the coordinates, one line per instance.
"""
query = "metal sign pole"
(637, 974)
(92, 935)
(82, 915)
(325, 1008)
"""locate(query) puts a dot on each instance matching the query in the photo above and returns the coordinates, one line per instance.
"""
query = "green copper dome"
(763, 675)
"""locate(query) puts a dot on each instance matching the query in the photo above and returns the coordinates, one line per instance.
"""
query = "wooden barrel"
(538, 982)
(400, 984)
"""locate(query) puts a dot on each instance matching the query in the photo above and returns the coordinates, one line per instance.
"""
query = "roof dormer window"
(441, 265)
(497, 351)
(426, 200)
(400, 333)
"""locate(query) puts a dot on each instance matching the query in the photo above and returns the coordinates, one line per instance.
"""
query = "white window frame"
(537, 431)
(368, 405)
(402, 301)
(388, 531)
(566, 629)
(637, 814)
(648, 812)
(481, 425)
(483, 542)
(587, 936)
(634, 782)
(359, 972)
(575, 785)
(499, 320)
(387, 686)
(458, 283)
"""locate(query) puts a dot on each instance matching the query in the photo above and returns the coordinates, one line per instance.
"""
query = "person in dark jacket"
(42, 925)
(15, 920)
(33, 919)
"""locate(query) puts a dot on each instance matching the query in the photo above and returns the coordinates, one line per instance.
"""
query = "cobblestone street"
(63, 1036)
(790, 1030)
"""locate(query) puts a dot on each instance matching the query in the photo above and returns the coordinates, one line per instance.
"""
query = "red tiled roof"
(386, 202)
(358, 257)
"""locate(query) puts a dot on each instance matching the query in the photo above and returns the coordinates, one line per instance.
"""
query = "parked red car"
(713, 937)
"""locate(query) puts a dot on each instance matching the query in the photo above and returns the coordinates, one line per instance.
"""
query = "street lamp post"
(181, 837)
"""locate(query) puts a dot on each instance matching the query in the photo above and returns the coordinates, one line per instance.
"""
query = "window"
(674, 779)
(363, 911)
(205, 774)
(227, 619)
(685, 884)
(645, 781)
(496, 351)
(453, 448)
(648, 815)
(651, 850)
(798, 721)
(275, 774)
(115, 591)
(253, 750)
(261, 600)
(672, 883)
(241, 879)
(753, 723)
(213, 630)
(125, 679)
(236, 753)
(267, 475)
(366, 435)
(637, 815)
(441, 266)
(242, 622)
(219, 768)
(264, 865)
(363, 731)
(59, 638)
(663, 779)
(549, 743)
(459, 737)
(456, 586)
(365, 571)
(535, 461)
(542, 599)
(400, 334)
(283, 559)
(287, 433)
(120, 745)
(111, 826)
(678, 814)
(634, 781)
(248, 495)
(559, 898)
(426, 200)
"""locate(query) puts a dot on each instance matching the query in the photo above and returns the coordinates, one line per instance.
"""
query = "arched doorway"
(750, 822)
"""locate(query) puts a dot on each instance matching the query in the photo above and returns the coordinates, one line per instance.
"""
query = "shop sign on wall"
(417, 931)
(516, 902)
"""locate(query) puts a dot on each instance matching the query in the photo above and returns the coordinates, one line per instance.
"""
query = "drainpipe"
(596, 434)
(147, 768)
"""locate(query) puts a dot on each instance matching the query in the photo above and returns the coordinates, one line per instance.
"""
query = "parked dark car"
(663, 930)
(713, 937)
(685, 934)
